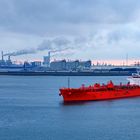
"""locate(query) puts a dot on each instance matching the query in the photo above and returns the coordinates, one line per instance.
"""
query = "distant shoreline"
(67, 73)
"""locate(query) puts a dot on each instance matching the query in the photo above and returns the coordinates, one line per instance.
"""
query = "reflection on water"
(74, 103)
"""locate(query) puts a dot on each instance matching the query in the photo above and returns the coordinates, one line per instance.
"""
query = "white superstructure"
(134, 79)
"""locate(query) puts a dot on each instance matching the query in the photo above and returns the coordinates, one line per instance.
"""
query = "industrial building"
(85, 64)
(36, 64)
(4, 62)
(46, 60)
(58, 65)
(70, 65)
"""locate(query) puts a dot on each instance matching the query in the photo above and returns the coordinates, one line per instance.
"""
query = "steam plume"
(52, 45)
(21, 52)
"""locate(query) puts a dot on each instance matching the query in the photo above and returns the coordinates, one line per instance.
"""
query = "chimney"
(49, 56)
(9, 58)
(2, 56)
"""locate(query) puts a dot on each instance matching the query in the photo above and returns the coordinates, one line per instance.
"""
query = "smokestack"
(49, 54)
(2, 56)
(49, 57)
(9, 58)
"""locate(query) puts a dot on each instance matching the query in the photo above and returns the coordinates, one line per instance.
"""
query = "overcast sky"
(82, 29)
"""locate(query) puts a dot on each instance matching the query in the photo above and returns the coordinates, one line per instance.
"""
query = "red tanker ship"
(100, 92)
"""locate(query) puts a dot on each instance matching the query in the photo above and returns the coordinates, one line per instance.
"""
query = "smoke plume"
(21, 52)
(52, 45)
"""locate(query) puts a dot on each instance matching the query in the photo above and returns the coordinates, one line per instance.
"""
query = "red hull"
(91, 93)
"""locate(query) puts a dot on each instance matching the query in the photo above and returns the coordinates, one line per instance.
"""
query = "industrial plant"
(61, 67)
(46, 64)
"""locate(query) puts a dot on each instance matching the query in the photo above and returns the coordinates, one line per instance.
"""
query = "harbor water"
(31, 109)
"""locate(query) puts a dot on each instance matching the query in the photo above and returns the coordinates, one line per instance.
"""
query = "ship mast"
(68, 82)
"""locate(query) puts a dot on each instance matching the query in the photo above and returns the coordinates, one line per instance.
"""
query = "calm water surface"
(30, 109)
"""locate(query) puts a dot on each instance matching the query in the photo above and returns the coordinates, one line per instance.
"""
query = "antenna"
(127, 59)
(68, 82)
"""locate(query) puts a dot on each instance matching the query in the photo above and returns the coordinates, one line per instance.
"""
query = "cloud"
(43, 16)
(90, 29)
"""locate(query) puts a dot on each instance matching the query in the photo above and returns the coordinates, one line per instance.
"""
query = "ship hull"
(83, 95)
